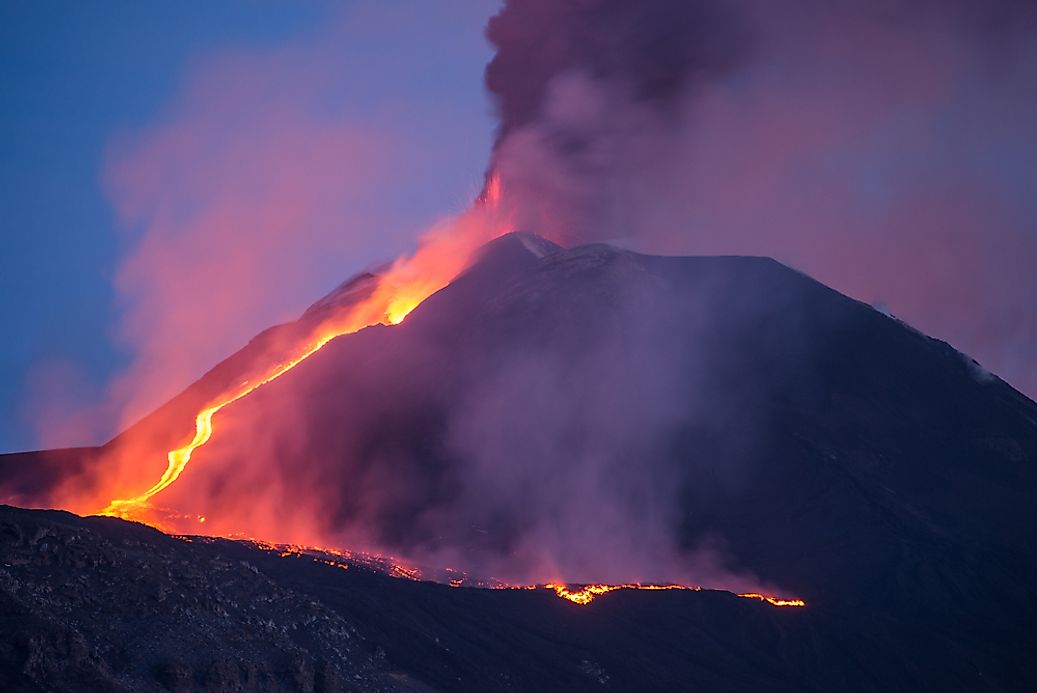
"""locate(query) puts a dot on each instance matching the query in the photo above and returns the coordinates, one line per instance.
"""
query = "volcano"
(592, 414)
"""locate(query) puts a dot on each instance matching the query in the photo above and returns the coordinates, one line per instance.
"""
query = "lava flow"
(577, 594)
(775, 601)
(588, 593)
(131, 508)
(441, 256)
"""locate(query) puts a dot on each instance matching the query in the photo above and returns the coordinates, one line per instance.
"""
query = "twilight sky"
(112, 110)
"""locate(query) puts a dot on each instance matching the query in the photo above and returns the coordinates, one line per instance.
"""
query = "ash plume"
(887, 149)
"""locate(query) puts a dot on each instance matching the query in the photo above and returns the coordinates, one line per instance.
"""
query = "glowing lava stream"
(177, 459)
(588, 593)
(442, 254)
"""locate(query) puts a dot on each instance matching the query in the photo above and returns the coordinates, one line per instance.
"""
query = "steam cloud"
(269, 171)
(887, 149)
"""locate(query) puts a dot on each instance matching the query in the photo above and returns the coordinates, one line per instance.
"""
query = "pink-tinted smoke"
(887, 149)
(272, 175)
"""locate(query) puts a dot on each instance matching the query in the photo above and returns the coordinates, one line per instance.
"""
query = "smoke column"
(888, 149)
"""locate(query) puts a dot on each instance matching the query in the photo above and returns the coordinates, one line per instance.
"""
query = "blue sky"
(80, 77)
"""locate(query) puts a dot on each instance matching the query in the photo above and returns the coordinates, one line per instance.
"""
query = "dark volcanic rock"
(100, 604)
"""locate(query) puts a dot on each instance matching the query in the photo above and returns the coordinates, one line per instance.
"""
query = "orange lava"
(442, 254)
(775, 601)
(588, 593)
(577, 594)
(585, 594)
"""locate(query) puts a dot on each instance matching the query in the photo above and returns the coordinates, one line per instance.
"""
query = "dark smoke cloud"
(656, 49)
(886, 148)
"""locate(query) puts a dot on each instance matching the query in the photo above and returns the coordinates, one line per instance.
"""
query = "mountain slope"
(592, 414)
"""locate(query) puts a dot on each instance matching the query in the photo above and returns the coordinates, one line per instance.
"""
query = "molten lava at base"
(387, 565)
(588, 593)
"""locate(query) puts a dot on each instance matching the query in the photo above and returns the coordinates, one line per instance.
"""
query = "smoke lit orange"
(443, 253)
